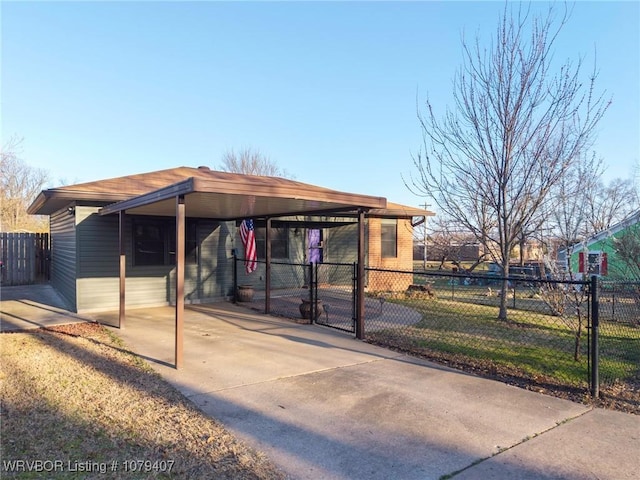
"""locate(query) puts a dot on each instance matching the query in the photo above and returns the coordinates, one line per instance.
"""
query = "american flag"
(247, 234)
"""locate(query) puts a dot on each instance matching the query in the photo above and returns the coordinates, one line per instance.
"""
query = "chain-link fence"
(543, 339)
(289, 286)
(323, 292)
(619, 340)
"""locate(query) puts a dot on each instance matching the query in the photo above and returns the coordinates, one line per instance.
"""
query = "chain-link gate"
(321, 293)
(334, 289)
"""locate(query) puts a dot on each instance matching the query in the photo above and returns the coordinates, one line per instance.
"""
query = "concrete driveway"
(33, 306)
(323, 405)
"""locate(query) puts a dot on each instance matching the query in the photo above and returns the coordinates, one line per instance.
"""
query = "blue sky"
(327, 90)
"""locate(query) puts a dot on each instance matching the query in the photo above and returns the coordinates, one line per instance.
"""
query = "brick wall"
(385, 281)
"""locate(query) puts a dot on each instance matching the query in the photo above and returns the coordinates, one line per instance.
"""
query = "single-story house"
(596, 255)
(106, 231)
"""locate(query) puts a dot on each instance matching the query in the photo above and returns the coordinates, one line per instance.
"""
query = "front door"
(314, 241)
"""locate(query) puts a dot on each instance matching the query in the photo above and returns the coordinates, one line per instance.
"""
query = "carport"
(228, 197)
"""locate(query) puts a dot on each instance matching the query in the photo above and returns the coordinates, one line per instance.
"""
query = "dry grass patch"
(71, 395)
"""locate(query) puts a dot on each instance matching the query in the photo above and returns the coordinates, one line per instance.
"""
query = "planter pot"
(245, 293)
(305, 309)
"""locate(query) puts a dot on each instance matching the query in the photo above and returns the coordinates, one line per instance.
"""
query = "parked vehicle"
(519, 274)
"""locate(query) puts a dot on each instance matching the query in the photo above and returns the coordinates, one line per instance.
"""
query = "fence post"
(595, 323)
(354, 289)
(235, 275)
(360, 334)
(313, 291)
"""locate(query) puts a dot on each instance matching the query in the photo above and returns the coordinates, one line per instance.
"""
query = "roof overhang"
(394, 210)
(233, 200)
(50, 201)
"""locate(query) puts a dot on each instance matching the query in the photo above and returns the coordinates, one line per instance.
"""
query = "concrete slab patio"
(323, 405)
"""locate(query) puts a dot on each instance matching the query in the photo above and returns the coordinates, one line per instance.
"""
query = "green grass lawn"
(532, 345)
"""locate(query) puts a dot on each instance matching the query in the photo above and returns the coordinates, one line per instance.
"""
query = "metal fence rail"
(319, 293)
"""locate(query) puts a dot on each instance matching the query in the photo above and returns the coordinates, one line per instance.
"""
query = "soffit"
(222, 200)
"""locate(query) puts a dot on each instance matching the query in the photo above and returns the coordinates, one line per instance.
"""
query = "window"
(593, 263)
(149, 240)
(154, 241)
(190, 243)
(389, 238)
(279, 242)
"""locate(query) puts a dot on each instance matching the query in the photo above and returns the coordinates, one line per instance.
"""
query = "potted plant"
(245, 293)
(305, 308)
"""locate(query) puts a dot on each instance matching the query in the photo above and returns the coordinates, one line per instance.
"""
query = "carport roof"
(211, 194)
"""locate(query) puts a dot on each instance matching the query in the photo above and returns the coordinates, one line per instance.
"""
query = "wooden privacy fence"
(24, 257)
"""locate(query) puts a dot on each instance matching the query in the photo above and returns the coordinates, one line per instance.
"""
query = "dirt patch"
(73, 397)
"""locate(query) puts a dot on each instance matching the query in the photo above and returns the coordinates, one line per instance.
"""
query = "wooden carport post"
(267, 274)
(180, 229)
(123, 267)
(360, 278)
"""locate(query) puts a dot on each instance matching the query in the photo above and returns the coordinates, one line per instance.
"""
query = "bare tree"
(251, 162)
(449, 243)
(566, 224)
(516, 129)
(636, 181)
(627, 248)
(569, 222)
(567, 210)
(19, 185)
(611, 204)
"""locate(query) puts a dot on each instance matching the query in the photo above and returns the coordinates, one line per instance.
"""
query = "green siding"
(98, 272)
(97, 244)
(86, 262)
(615, 267)
(63, 256)
(213, 277)
(341, 244)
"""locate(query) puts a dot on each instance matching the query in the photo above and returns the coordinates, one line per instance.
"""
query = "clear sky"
(328, 90)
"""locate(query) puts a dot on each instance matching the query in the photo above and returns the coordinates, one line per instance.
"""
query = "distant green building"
(597, 254)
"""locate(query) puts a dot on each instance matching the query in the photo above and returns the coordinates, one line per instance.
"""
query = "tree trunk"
(523, 245)
(504, 290)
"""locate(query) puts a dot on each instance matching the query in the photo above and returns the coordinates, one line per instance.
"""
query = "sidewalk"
(323, 405)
